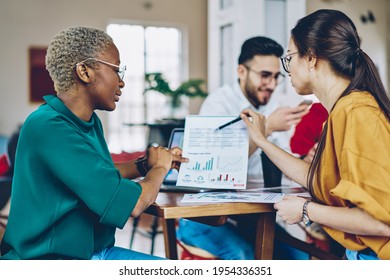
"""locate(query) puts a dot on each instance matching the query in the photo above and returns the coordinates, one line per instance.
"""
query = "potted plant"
(191, 88)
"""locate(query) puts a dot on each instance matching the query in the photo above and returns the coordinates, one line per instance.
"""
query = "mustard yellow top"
(355, 166)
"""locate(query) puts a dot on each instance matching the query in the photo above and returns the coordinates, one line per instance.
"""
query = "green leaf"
(191, 88)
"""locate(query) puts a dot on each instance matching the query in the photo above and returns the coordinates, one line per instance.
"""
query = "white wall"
(374, 36)
(25, 23)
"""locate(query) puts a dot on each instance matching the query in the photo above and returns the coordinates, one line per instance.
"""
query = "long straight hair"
(330, 35)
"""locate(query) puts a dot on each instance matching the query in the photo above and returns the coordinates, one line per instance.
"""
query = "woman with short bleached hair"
(68, 197)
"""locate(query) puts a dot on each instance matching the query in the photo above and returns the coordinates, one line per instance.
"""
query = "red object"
(4, 166)
(124, 156)
(308, 131)
(187, 255)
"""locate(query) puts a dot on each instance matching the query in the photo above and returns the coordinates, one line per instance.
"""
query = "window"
(142, 49)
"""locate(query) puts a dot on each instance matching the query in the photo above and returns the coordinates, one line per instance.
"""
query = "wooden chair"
(333, 251)
(150, 233)
(272, 177)
(5, 194)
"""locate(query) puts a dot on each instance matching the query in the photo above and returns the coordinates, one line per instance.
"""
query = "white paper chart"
(218, 158)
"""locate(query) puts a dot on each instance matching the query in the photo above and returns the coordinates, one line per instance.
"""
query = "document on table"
(223, 197)
(295, 190)
(218, 159)
(261, 195)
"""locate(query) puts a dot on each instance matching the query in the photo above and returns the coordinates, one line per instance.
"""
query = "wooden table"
(169, 208)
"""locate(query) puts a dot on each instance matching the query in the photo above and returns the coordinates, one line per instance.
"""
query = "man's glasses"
(266, 76)
(286, 61)
(121, 69)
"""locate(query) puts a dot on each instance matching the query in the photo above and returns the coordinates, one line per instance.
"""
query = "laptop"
(169, 184)
(175, 140)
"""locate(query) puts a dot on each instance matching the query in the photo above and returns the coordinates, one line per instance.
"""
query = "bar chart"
(202, 165)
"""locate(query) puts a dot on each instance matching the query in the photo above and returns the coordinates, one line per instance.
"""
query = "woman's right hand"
(164, 157)
(159, 157)
(256, 124)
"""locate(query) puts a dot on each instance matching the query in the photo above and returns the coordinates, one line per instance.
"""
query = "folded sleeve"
(376, 204)
(122, 204)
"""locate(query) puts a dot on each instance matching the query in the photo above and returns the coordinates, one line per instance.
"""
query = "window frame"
(183, 75)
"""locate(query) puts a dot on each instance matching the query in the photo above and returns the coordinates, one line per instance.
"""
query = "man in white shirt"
(258, 75)
(231, 100)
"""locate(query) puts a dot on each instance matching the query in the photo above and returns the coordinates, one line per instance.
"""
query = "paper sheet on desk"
(223, 197)
(295, 190)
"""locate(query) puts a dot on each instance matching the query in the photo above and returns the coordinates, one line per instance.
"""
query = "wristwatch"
(305, 216)
(141, 164)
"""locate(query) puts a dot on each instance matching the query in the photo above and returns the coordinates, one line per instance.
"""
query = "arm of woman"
(294, 168)
(128, 169)
(160, 160)
(350, 220)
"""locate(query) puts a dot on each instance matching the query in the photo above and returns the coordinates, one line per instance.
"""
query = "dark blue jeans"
(356, 255)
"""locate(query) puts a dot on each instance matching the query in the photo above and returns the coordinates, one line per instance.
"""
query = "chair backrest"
(271, 173)
(5, 190)
(11, 149)
(309, 248)
(6, 181)
(3, 144)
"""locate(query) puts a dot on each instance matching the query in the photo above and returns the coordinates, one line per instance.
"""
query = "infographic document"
(218, 159)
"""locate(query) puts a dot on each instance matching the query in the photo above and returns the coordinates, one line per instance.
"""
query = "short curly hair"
(71, 46)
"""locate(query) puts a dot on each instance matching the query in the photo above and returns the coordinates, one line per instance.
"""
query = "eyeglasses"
(266, 76)
(121, 69)
(286, 61)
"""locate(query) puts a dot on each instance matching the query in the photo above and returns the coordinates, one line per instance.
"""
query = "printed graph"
(201, 163)
(230, 164)
(222, 178)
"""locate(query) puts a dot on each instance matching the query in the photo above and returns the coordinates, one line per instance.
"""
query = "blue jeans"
(118, 253)
(227, 243)
(356, 255)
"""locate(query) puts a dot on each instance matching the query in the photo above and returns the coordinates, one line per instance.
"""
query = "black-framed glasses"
(286, 61)
(266, 76)
(121, 69)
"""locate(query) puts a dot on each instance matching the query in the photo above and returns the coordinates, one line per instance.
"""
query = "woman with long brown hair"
(349, 177)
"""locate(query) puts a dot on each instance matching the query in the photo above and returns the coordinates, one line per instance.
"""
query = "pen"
(229, 123)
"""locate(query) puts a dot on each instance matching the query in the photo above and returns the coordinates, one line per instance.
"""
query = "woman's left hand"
(290, 209)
